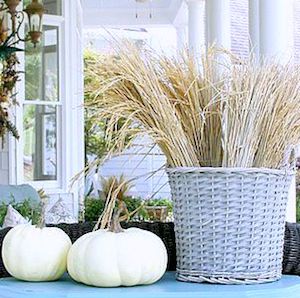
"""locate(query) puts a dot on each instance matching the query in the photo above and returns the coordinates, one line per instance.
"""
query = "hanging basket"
(229, 223)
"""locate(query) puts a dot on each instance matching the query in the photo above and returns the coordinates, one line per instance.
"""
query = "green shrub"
(26, 208)
(3, 210)
(93, 208)
(298, 208)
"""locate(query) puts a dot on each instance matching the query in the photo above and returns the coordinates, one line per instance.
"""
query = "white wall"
(4, 163)
(141, 165)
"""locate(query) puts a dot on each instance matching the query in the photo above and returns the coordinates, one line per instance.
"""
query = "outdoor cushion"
(60, 213)
(18, 193)
(13, 218)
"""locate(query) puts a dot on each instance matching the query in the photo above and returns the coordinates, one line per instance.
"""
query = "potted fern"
(227, 137)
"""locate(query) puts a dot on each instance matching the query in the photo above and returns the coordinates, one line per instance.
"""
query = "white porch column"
(276, 30)
(218, 23)
(195, 26)
(271, 34)
(254, 27)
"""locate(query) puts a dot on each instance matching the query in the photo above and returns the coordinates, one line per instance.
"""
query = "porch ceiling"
(111, 13)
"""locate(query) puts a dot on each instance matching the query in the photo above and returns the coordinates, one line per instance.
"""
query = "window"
(43, 104)
(42, 109)
(49, 117)
(53, 6)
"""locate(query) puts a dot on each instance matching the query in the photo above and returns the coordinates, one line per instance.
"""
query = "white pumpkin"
(35, 254)
(109, 259)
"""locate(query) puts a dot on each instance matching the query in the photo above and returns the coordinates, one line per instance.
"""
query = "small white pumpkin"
(35, 254)
(109, 259)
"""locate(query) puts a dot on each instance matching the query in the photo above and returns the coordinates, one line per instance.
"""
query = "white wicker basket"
(229, 223)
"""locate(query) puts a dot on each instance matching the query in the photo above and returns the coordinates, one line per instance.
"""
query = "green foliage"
(95, 143)
(6, 51)
(3, 210)
(298, 208)
(26, 208)
(94, 207)
(161, 202)
(8, 78)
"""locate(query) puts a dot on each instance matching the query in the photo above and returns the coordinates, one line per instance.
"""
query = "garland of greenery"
(9, 76)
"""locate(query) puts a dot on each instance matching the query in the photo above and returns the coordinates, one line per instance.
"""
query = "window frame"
(58, 185)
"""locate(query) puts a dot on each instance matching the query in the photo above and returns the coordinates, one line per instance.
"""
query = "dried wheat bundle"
(246, 115)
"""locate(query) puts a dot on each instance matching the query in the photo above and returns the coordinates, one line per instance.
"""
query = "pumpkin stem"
(115, 225)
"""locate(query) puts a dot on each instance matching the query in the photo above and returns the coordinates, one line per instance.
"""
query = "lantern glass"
(35, 23)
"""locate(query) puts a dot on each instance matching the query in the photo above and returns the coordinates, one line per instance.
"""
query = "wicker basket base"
(229, 223)
(200, 277)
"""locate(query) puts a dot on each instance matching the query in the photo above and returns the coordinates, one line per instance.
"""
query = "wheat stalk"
(247, 116)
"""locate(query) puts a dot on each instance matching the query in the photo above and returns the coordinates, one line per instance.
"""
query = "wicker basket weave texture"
(291, 252)
(229, 223)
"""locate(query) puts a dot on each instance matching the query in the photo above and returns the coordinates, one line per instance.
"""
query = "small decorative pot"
(229, 223)
(157, 213)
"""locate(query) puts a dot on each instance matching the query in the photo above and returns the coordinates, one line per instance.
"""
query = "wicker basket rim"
(229, 170)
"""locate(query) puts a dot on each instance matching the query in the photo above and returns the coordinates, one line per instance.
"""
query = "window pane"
(40, 142)
(51, 6)
(41, 68)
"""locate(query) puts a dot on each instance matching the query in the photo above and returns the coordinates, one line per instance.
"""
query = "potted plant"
(227, 133)
(158, 209)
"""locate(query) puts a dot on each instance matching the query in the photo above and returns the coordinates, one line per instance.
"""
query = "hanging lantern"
(35, 11)
(12, 5)
(3, 27)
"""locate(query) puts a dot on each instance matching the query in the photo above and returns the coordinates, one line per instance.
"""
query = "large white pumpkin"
(35, 254)
(109, 259)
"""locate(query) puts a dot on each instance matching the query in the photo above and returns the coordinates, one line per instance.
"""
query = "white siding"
(138, 164)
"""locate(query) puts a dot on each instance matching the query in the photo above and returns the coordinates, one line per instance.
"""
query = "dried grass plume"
(247, 115)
